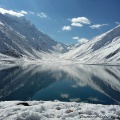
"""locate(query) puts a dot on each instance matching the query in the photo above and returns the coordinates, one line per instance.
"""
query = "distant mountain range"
(20, 38)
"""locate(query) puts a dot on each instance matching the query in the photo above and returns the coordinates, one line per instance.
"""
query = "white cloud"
(83, 40)
(97, 26)
(80, 40)
(82, 20)
(11, 12)
(42, 14)
(23, 12)
(66, 28)
(77, 24)
(75, 38)
(79, 21)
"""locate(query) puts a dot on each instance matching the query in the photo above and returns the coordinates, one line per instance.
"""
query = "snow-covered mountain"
(101, 49)
(73, 46)
(19, 37)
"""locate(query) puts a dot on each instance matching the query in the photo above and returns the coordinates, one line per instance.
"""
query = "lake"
(80, 83)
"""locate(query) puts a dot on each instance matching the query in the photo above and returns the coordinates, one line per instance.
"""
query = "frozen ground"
(56, 110)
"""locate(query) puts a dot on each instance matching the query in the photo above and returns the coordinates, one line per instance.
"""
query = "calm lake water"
(80, 83)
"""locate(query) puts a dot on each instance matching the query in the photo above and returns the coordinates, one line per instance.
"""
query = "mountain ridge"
(25, 38)
(102, 48)
(20, 38)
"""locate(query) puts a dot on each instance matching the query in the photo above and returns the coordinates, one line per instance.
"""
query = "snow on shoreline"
(47, 59)
(56, 110)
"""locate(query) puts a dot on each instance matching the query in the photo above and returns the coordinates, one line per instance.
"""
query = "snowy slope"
(19, 37)
(73, 46)
(101, 49)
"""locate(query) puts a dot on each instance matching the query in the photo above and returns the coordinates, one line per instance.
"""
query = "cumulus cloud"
(79, 21)
(42, 14)
(76, 24)
(82, 20)
(83, 40)
(75, 38)
(66, 28)
(97, 26)
(23, 12)
(13, 13)
(80, 40)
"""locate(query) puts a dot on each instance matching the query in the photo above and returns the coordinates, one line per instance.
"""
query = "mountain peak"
(19, 37)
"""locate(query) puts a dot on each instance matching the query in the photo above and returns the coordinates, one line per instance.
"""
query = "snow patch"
(9, 110)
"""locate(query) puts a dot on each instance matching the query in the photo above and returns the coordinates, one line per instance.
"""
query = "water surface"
(80, 83)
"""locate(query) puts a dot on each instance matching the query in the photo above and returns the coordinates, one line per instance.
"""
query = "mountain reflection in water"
(80, 83)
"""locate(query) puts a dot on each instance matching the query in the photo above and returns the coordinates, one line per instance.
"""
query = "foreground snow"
(56, 110)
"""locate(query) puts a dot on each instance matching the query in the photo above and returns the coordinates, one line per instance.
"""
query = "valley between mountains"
(22, 42)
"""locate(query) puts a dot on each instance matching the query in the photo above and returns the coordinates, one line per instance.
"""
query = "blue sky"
(68, 21)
